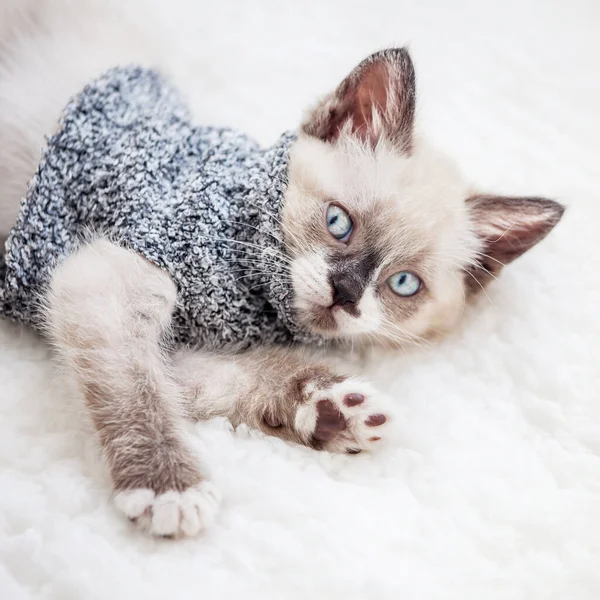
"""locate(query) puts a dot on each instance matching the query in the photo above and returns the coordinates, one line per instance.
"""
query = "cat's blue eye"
(339, 222)
(405, 283)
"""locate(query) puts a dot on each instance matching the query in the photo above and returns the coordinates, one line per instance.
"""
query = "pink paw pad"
(330, 421)
(353, 399)
(375, 420)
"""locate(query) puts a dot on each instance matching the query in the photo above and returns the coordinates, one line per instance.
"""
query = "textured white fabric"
(493, 488)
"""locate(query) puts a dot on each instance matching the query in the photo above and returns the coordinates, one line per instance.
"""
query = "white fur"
(218, 380)
(310, 276)
(370, 315)
(77, 293)
(172, 513)
(306, 419)
(493, 491)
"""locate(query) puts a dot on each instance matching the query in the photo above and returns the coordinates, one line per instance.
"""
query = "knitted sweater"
(202, 203)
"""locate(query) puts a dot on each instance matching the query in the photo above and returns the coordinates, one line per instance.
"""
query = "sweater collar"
(274, 254)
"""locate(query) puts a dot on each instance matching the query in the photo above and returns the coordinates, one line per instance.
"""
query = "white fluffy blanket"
(492, 490)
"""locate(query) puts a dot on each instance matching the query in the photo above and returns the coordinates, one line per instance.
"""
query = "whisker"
(505, 232)
(257, 229)
(479, 266)
(263, 209)
(254, 275)
(482, 288)
(400, 337)
(491, 258)
(263, 253)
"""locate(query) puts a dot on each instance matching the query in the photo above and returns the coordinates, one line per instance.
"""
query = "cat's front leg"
(106, 310)
(288, 394)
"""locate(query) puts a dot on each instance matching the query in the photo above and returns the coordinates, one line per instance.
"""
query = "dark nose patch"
(346, 292)
(349, 277)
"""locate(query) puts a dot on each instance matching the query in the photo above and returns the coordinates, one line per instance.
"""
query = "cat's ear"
(376, 100)
(508, 227)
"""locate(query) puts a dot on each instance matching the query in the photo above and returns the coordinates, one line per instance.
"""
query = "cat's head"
(386, 238)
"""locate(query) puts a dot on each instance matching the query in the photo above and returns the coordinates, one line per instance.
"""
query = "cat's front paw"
(348, 415)
(172, 513)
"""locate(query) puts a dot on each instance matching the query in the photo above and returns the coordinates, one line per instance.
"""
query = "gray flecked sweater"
(202, 203)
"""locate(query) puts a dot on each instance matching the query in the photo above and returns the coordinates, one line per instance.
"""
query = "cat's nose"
(346, 292)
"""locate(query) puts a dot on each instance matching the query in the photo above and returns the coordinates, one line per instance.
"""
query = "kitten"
(385, 241)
